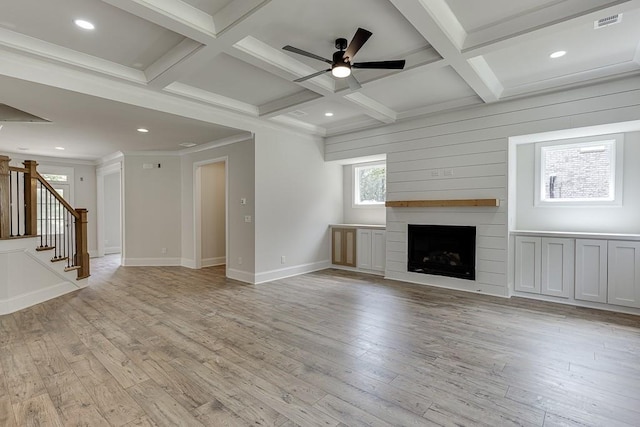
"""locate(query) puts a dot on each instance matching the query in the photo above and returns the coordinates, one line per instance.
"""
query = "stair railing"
(30, 206)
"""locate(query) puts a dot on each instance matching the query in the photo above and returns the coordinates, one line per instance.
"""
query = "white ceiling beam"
(235, 12)
(236, 21)
(324, 85)
(440, 107)
(183, 50)
(437, 24)
(177, 16)
(373, 108)
(52, 52)
(211, 98)
(287, 103)
(308, 127)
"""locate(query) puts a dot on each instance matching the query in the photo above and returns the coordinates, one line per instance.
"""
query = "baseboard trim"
(212, 262)
(281, 273)
(241, 276)
(20, 302)
(151, 262)
(111, 250)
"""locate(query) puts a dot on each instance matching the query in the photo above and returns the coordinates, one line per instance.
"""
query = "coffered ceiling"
(226, 57)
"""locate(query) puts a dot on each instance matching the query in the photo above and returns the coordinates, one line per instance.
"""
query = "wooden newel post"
(5, 198)
(31, 198)
(82, 253)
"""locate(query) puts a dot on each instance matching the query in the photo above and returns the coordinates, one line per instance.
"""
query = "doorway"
(109, 215)
(210, 209)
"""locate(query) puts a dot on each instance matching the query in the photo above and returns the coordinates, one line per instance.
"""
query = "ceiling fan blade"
(353, 83)
(310, 76)
(359, 39)
(307, 54)
(386, 65)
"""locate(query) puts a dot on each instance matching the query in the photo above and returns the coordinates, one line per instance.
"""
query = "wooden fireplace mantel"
(442, 203)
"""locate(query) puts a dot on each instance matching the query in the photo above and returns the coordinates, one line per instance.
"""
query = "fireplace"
(445, 250)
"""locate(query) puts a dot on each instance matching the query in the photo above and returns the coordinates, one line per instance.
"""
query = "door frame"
(101, 173)
(197, 210)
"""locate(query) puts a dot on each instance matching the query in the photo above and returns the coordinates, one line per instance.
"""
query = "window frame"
(617, 142)
(355, 187)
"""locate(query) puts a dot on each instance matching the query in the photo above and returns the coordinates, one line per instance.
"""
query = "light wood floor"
(173, 346)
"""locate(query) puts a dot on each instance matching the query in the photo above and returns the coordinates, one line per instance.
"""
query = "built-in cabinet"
(624, 273)
(360, 247)
(343, 246)
(591, 270)
(371, 249)
(596, 270)
(545, 265)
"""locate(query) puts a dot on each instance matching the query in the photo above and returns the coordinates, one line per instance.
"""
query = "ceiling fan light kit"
(342, 61)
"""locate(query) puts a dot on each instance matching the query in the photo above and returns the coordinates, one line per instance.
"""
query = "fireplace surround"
(444, 250)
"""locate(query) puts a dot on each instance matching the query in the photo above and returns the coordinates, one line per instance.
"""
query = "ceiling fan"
(342, 62)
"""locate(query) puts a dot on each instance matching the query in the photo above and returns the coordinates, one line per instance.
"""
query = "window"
(586, 171)
(370, 184)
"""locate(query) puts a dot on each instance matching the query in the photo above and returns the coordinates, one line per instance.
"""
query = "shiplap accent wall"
(474, 144)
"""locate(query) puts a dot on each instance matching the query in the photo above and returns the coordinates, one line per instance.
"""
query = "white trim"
(188, 263)
(111, 250)
(617, 143)
(241, 276)
(101, 173)
(578, 303)
(213, 262)
(11, 305)
(151, 262)
(52, 267)
(217, 143)
(355, 189)
(296, 270)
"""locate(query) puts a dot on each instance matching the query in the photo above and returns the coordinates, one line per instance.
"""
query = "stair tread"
(59, 259)
(45, 248)
(73, 267)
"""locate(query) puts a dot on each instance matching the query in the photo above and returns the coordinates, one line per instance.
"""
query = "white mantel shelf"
(445, 203)
(577, 235)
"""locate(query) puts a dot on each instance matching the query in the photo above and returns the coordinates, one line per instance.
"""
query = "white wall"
(600, 219)
(297, 196)
(213, 213)
(358, 214)
(473, 143)
(112, 231)
(152, 211)
(241, 178)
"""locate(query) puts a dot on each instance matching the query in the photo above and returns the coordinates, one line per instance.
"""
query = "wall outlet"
(243, 201)
(247, 218)
(283, 259)
(239, 260)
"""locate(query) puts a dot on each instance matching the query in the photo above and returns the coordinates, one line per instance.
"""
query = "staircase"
(43, 240)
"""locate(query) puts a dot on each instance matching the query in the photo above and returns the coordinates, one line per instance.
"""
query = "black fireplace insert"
(444, 250)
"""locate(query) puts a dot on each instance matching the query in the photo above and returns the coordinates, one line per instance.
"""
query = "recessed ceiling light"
(59, 148)
(143, 130)
(558, 54)
(328, 114)
(85, 25)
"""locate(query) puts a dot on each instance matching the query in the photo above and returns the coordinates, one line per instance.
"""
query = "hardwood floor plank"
(349, 414)
(70, 398)
(7, 418)
(22, 378)
(37, 411)
(160, 406)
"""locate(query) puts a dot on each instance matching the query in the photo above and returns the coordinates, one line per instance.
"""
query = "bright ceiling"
(204, 70)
